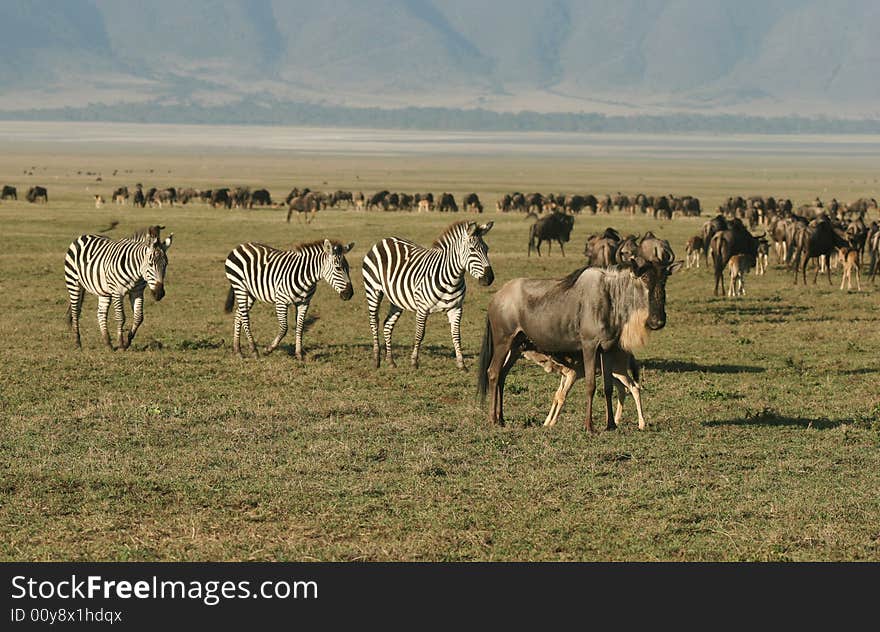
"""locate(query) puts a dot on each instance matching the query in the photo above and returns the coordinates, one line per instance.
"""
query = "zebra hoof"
(269, 350)
(462, 367)
(414, 363)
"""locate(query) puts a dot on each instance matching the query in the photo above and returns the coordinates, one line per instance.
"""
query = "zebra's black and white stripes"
(283, 277)
(424, 281)
(111, 269)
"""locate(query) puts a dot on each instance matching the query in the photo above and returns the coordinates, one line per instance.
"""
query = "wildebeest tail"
(230, 300)
(485, 360)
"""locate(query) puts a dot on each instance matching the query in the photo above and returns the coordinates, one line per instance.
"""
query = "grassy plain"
(764, 412)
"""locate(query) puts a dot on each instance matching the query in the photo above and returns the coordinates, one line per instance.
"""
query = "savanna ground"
(764, 412)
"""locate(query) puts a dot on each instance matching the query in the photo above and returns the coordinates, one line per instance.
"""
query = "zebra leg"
(393, 314)
(137, 308)
(76, 300)
(244, 307)
(103, 308)
(421, 320)
(301, 310)
(119, 310)
(281, 311)
(454, 316)
(373, 300)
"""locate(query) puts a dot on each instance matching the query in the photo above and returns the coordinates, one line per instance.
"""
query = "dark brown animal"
(554, 227)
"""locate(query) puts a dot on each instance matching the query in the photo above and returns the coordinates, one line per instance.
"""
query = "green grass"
(764, 412)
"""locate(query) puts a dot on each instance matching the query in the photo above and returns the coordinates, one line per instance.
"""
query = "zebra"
(111, 269)
(424, 281)
(284, 277)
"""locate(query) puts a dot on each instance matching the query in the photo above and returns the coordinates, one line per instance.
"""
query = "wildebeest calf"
(693, 249)
(621, 364)
(849, 257)
(739, 266)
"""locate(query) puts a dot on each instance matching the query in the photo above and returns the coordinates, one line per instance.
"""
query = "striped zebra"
(111, 269)
(284, 277)
(424, 281)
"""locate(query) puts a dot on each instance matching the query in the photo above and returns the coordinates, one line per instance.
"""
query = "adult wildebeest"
(601, 249)
(260, 197)
(725, 244)
(221, 197)
(447, 204)
(815, 240)
(874, 249)
(166, 196)
(554, 227)
(120, 195)
(307, 205)
(37, 194)
(9, 193)
(139, 198)
(590, 311)
(378, 200)
(472, 203)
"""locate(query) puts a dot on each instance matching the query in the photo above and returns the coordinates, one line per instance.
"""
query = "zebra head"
(335, 270)
(154, 264)
(476, 253)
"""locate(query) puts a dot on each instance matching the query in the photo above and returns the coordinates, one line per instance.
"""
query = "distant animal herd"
(590, 322)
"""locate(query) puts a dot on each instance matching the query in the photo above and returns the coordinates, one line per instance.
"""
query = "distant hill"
(780, 58)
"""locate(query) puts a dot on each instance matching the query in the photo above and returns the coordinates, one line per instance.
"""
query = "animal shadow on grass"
(862, 371)
(682, 366)
(770, 418)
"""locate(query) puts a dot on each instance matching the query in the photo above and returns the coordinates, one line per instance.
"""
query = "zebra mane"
(306, 245)
(144, 235)
(449, 230)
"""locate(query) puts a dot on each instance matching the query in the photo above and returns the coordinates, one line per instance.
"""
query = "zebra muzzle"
(159, 291)
(347, 293)
(488, 277)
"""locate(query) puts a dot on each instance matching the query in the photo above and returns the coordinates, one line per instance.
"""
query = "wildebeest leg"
(103, 308)
(828, 270)
(421, 321)
(137, 308)
(569, 377)
(608, 388)
(454, 316)
(119, 311)
(281, 311)
(393, 314)
(633, 387)
(589, 351)
(561, 248)
(503, 357)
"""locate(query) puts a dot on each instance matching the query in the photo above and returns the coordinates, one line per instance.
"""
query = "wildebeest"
(739, 266)
(589, 311)
(447, 204)
(37, 194)
(817, 239)
(304, 205)
(693, 249)
(166, 196)
(849, 257)
(99, 201)
(726, 243)
(120, 195)
(221, 197)
(359, 201)
(874, 249)
(653, 248)
(622, 366)
(260, 197)
(601, 249)
(472, 203)
(554, 227)
(378, 200)
(139, 198)
(9, 193)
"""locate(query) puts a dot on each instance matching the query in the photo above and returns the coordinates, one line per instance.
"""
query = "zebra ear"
(472, 228)
(485, 228)
(348, 247)
(167, 243)
(328, 246)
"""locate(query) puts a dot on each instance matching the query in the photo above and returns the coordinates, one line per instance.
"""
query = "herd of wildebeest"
(587, 323)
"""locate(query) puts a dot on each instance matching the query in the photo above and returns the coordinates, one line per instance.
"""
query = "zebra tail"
(485, 360)
(230, 300)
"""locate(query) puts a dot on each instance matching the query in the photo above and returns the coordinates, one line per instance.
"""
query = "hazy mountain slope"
(786, 56)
